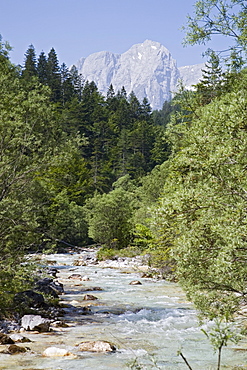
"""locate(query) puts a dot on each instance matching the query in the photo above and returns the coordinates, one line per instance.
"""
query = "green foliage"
(109, 218)
(225, 18)
(202, 211)
(220, 335)
(16, 275)
(30, 64)
(54, 76)
(41, 178)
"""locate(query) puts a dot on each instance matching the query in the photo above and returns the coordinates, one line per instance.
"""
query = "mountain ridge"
(148, 69)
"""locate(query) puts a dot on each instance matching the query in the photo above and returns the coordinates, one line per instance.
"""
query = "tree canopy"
(226, 18)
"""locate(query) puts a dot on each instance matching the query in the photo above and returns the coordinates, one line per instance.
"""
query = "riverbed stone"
(5, 339)
(85, 278)
(13, 349)
(79, 262)
(75, 277)
(97, 346)
(29, 298)
(19, 338)
(56, 352)
(59, 324)
(35, 322)
(89, 297)
(135, 282)
(49, 286)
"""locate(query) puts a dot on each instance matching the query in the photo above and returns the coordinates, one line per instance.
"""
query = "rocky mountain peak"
(147, 69)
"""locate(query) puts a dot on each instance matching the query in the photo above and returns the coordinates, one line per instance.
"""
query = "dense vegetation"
(78, 168)
(64, 145)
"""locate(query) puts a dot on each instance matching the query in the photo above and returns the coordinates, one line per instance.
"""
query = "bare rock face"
(191, 75)
(147, 69)
(97, 346)
(35, 322)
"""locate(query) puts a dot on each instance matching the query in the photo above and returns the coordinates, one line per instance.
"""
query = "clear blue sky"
(77, 28)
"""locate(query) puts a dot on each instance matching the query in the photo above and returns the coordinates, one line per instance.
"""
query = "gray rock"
(19, 338)
(135, 282)
(89, 297)
(35, 322)
(147, 69)
(50, 287)
(13, 349)
(97, 346)
(56, 352)
(5, 339)
(29, 298)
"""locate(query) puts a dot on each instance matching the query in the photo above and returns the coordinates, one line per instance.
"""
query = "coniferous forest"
(78, 168)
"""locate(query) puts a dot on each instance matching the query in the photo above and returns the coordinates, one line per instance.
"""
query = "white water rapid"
(147, 323)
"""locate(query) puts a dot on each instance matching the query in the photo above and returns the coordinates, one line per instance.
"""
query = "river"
(148, 323)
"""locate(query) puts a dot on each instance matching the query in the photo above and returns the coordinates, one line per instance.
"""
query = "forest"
(78, 168)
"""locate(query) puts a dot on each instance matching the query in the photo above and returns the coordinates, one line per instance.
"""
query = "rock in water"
(13, 349)
(56, 352)
(5, 339)
(35, 322)
(19, 338)
(89, 297)
(135, 282)
(97, 346)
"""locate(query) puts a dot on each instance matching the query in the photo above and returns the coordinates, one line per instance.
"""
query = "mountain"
(147, 69)
(190, 75)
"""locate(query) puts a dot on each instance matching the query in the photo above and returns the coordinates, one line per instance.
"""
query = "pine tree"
(67, 90)
(212, 80)
(77, 81)
(54, 76)
(42, 68)
(30, 64)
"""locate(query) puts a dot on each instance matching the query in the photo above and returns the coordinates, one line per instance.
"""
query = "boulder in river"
(89, 297)
(19, 338)
(50, 287)
(79, 262)
(13, 349)
(5, 339)
(29, 298)
(35, 322)
(135, 282)
(97, 346)
(56, 352)
(75, 277)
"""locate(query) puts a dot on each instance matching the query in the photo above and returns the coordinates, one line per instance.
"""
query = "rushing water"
(148, 323)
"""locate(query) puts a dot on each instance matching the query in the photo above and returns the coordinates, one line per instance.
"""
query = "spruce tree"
(77, 81)
(67, 90)
(54, 76)
(42, 68)
(30, 64)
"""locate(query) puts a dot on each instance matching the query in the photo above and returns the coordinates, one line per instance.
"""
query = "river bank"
(151, 318)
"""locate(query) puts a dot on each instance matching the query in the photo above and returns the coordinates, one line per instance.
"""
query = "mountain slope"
(147, 69)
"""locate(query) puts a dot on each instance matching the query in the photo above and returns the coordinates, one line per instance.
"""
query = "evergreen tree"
(67, 89)
(42, 68)
(30, 64)
(54, 76)
(77, 81)
(134, 106)
(211, 83)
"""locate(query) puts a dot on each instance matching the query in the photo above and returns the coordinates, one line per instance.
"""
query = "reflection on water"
(148, 323)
